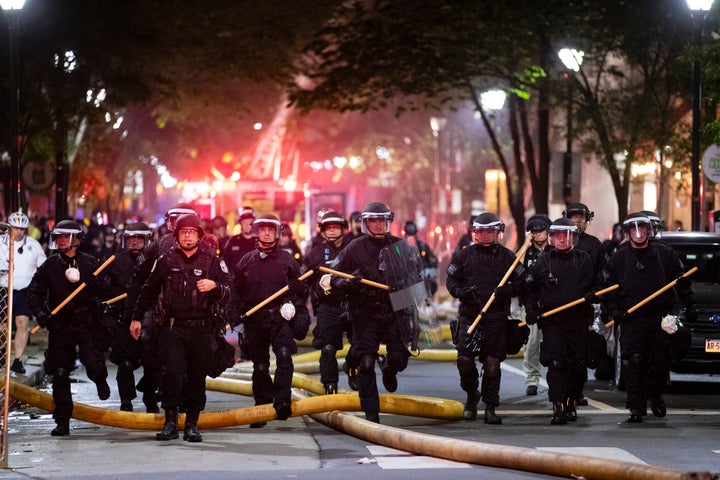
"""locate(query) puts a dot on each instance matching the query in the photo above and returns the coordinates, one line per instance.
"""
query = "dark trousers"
(645, 350)
(563, 351)
(370, 328)
(264, 333)
(186, 353)
(329, 337)
(64, 347)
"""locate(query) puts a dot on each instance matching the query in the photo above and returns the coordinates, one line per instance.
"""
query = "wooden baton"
(573, 303)
(275, 295)
(349, 277)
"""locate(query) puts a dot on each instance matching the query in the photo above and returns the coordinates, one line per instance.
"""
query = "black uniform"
(330, 310)
(187, 332)
(644, 344)
(257, 276)
(482, 267)
(125, 351)
(372, 317)
(555, 279)
(149, 347)
(72, 330)
(236, 247)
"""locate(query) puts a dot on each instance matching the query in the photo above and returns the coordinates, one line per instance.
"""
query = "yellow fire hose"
(502, 456)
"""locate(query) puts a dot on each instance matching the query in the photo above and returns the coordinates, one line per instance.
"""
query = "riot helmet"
(487, 222)
(657, 224)
(260, 226)
(133, 232)
(65, 229)
(172, 215)
(18, 220)
(638, 228)
(376, 211)
(332, 217)
(579, 208)
(410, 228)
(563, 234)
(246, 212)
(538, 222)
(184, 224)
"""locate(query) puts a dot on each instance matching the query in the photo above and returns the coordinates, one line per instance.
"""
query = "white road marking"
(391, 459)
(611, 453)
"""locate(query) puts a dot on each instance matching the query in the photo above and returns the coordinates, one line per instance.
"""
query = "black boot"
(283, 409)
(330, 388)
(657, 405)
(470, 409)
(126, 406)
(353, 378)
(570, 410)
(635, 416)
(191, 433)
(150, 401)
(170, 427)
(389, 374)
(372, 417)
(491, 417)
(62, 429)
(558, 416)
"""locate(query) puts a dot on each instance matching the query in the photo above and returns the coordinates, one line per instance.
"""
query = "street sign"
(711, 163)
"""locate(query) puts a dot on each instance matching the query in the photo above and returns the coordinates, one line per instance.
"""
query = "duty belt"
(200, 322)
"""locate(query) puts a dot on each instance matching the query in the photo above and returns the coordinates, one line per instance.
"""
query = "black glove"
(504, 292)
(532, 318)
(690, 313)
(298, 288)
(239, 321)
(683, 283)
(592, 298)
(466, 294)
(43, 319)
(346, 283)
(618, 316)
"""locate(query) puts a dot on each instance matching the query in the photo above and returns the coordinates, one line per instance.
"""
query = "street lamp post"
(439, 201)
(572, 59)
(12, 10)
(494, 101)
(697, 12)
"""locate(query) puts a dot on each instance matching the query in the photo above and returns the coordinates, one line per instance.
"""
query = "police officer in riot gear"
(558, 277)
(125, 350)
(473, 275)
(641, 269)
(258, 275)
(329, 305)
(191, 280)
(370, 311)
(152, 368)
(537, 225)
(71, 328)
(429, 260)
(581, 216)
(238, 245)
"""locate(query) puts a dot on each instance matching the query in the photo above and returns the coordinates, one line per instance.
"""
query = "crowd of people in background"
(208, 280)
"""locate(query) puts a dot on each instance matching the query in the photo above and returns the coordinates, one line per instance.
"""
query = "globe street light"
(12, 10)
(572, 59)
(697, 12)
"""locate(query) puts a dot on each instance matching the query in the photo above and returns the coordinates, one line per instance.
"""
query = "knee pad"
(465, 364)
(328, 351)
(283, 357)
(61, 375)
(261, 367)
(557, 364)
(636, 360)
(491, 367)
(367, 363)
(126, 365)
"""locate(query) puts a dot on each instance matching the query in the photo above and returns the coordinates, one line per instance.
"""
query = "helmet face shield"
(130, 239)
(638, 229)
(367, 218)
(563, 237)
(263, 225)
(63, 239)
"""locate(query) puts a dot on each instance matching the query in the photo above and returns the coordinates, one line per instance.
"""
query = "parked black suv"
(702, 250)
(696, 249)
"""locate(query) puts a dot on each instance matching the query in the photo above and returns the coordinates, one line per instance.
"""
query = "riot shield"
(410, 295)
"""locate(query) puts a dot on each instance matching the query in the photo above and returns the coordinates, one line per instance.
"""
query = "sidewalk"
(33, 360)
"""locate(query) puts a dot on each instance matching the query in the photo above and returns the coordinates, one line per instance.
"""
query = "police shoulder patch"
(223, 266)
(197, 272)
